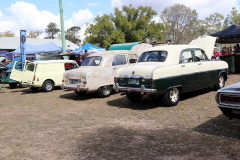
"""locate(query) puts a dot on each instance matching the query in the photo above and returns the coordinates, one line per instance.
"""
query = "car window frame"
(193, 57)
(203, 52)
(91, 57)
(126, 58)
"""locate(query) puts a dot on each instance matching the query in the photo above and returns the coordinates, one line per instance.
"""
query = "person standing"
(84, 56)
(238, 49)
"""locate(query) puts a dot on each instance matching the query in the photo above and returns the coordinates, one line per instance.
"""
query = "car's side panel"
(206, 73)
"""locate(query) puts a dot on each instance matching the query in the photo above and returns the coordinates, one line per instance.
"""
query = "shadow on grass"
(221, 126)
(121, 143)
(71, 95)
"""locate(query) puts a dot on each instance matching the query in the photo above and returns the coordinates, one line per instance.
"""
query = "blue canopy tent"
(31, 50)
(91, 49)
(3, 53)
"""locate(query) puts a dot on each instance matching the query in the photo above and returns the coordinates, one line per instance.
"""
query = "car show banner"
(23, 45)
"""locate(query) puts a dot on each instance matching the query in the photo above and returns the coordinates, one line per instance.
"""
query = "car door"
(205, 68)
(119, 61)
(28, 72)
(17, 71)
(189, 70)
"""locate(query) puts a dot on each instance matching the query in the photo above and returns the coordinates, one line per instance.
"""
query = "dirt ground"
(64, 125)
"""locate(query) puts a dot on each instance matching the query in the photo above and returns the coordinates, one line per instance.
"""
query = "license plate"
(74, 81)
(133, 81)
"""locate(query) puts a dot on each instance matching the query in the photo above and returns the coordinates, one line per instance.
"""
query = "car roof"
(108, 53)
(53, 61)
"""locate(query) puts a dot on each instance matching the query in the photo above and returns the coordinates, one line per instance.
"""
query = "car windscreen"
(92, 61)
(153, 56)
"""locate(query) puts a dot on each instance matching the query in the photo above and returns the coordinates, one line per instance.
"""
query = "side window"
(69, 66)
(200, 55)
(132, 58)
(186, 57)
(19, 66)
(30, 66)
(119, 60)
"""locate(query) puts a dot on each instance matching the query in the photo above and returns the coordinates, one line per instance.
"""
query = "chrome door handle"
(200, 64)
(114, 67)
(183, 66)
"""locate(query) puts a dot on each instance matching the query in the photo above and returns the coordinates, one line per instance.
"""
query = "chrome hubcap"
(174, 94)
(221, 81)
(106, 90)
(48, 86)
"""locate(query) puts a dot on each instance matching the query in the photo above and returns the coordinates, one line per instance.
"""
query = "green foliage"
(51, 30)
(180, 23)
(72, 34)
(127, 25)
(35, 34)
(233, 17)
(7, 34)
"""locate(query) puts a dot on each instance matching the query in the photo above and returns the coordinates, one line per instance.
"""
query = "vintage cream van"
(168, 71)
(45, 74)
(99, 69)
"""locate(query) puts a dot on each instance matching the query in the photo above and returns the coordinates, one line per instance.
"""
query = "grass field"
(64, 125)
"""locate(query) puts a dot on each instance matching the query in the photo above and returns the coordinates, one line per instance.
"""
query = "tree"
(51, 30)
(180, 23)
(35, 34)
(7, 34)
(72, 34)
(129, 25)
(233, 17)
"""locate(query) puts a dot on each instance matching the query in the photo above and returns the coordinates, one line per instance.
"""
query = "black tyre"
(104, 91)
(47, 86)
(172, 97)
(13, 85)
(221, 83)
(80, 93)
(34, 88)
(134, 97)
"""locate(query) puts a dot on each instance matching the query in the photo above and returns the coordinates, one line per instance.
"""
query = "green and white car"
(168, 71)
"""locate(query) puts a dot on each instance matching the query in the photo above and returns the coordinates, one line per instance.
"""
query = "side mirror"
(132, 60)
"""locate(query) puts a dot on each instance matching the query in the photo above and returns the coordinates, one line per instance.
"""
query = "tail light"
(84, 82)
(34, 77)
(152, 82)
(63, 80)
(115, 79)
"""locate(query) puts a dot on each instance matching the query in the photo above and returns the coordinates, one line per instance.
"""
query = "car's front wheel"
(172, 97)
(134, 97)
(47, 86)
(221, 83)
(104, 91)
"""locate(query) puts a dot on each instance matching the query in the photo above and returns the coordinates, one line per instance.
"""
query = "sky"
(35, 15)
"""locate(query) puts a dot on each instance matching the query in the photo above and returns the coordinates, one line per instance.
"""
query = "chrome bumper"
(75, 88)
(143, 90)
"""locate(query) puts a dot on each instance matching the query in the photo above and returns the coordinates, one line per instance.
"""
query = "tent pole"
(62, 27)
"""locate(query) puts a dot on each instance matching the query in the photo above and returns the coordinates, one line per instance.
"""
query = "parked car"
(167, 71)
(45, 74)
(7, 72)
(98, 70)
(228, 100)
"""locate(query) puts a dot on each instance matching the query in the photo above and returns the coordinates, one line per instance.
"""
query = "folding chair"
(2, 88)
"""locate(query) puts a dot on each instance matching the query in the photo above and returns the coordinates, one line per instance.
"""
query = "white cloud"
(93, 4)
(25, 16)
(204, 8)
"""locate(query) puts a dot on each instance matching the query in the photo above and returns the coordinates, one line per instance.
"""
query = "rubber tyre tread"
(134, 97)
(167, 101)
(44, 86)
(216, 86)
(100, 92)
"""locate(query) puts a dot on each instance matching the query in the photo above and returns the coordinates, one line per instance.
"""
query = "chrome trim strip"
(75, 88)
(143, 90)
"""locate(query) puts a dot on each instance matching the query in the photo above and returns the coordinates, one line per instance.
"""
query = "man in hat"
(84, 56)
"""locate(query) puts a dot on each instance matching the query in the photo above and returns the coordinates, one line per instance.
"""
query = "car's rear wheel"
(104, 91)
(47, 86)
(34, 88)
(221, 83)
(172, 97)
(80, 93)
(134, 97)
(13, 85)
